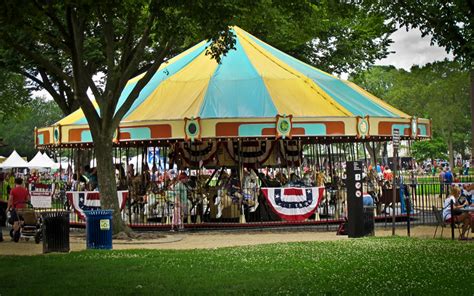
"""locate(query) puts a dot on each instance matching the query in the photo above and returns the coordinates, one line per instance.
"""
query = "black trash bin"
(99, 229)
(55, 231)
(3, 213)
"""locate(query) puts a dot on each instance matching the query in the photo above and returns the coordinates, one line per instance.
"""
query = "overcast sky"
(411, 49)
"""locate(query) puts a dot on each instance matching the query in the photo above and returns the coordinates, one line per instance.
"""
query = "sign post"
(396, 144)
(354, 199)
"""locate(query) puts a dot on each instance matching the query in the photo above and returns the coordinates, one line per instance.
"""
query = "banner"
(294, 204)
(90, 200)
(41, 195)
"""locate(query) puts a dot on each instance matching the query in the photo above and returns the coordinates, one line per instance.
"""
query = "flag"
(90, 200)
(294, 204)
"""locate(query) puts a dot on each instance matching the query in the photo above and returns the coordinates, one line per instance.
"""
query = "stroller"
(30, 224)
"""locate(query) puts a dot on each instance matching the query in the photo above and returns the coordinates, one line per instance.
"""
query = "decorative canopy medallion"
(192, 128)
(57, 134)
(414, 127)
(363, 127)
(283, 126)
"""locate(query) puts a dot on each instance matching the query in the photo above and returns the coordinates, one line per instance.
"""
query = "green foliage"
(439, 91)
(18, 132)
(13, 95)
(335, 36)
(432, 149)
(375, 266)
(451, 23)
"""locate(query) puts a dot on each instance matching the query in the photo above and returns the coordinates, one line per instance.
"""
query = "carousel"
(262, 136)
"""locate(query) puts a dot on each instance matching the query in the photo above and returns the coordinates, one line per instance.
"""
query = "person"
(378, 168)
(19, 197)
(441, 178)
(387, 174)
(448, 177)
(180, 202)
(34, 178)
(456, 215)
(294, 181)
(466, 168)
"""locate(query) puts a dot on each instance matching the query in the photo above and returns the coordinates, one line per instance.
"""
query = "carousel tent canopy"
(39, 162)
(253, 82)
(14, 161)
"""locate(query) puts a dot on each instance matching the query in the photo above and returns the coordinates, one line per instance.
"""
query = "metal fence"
(214, 208)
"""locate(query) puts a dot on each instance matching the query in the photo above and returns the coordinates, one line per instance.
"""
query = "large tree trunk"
(106, 179)
(472, 115)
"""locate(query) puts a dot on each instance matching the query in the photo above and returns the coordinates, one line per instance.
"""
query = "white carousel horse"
(251, 191)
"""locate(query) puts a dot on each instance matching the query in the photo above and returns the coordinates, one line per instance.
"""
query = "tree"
(438, 91)
(451, 25)
(63, 45)
(432, 149)
(17, 131)
(68, 43)
(13, 95)
(335, 36)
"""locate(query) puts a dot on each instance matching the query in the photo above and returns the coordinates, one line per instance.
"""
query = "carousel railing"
(249, 207)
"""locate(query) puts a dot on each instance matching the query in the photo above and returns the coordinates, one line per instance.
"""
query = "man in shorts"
(19, 197)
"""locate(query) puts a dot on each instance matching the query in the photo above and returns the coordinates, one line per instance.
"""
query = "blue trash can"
(99, 229)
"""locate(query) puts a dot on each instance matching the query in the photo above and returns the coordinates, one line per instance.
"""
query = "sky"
(411, 49)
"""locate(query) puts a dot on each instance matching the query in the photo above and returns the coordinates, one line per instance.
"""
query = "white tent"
(39, 162)
(53, 164)
(14, 161)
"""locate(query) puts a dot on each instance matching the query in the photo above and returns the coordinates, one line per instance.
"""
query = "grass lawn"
(374, 266)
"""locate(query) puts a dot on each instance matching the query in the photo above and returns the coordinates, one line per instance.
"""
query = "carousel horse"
(138, 188)
(250, 191)
(320, 179)
(158, 205)
(248, 197)
(198, 194)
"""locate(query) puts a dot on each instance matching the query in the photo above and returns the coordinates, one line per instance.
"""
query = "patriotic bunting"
(90, 200)
(294, 204)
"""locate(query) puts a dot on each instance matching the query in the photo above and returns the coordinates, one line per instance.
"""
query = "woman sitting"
(457, 215)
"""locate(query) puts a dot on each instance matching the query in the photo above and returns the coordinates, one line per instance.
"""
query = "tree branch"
(50, 14)
(139, 86)
(76, 26)
(44, 63)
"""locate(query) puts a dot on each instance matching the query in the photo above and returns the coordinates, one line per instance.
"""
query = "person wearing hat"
(180, 202)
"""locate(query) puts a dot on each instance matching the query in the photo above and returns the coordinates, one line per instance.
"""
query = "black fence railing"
(221, 208)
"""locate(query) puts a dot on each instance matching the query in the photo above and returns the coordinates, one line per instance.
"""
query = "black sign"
(396, 138)
(355, 208)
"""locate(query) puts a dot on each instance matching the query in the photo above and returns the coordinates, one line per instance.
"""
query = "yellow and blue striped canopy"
(245, 95)
(254, 80)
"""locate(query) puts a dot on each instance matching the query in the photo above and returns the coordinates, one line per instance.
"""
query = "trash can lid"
(98, 212)
(50, 214)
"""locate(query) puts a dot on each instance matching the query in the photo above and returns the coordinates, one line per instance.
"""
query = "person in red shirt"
(19, 197)
(34, 178)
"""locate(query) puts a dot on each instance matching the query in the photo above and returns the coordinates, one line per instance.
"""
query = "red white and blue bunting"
(294, 204)
(90, 200)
